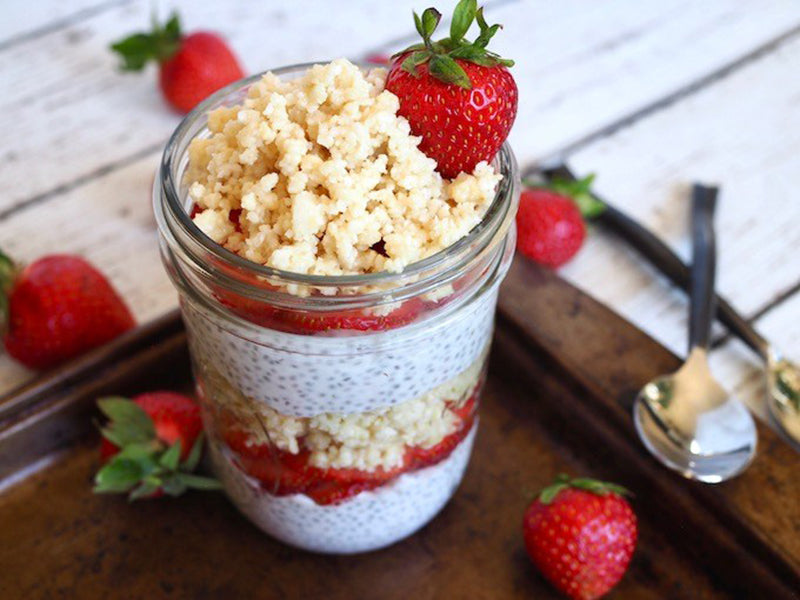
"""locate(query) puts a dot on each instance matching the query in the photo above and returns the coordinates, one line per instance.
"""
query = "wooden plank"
(64, 102)
(120, 239)
(22, 20)
(752, 147)
(582, 66)
(71, 113)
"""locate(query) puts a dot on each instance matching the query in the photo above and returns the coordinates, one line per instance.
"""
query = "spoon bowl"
(690, 423)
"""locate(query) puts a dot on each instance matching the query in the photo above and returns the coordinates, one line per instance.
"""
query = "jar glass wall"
(335, 439)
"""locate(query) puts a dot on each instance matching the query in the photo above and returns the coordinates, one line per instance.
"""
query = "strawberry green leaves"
(158, 45)
(580, 191)
(442, 55)
(463, 15)
(427, 24)
(145, 466)
(446, 69)
(562, 482)
(129, 424)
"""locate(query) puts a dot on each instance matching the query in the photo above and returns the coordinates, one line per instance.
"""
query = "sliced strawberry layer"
(311, 322)
(282, 473)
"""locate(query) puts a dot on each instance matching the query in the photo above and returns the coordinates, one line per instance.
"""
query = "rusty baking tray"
(563, 373)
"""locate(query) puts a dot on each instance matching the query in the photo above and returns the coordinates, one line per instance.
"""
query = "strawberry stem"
(443, 55)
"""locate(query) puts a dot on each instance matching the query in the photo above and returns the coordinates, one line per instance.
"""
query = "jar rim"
(171, 211)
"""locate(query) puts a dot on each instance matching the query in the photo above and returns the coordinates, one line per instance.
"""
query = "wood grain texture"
(604, 61)
(65, 88)
(536, 420)
(77, 167)
(120, 240)
(73, 113)
(758, 223)
(26, 20)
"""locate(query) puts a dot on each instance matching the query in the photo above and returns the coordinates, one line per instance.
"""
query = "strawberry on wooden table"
(57, 308)
(457, 95)
(191, 67)
(150, 446)
(550, 220)
(581, 534)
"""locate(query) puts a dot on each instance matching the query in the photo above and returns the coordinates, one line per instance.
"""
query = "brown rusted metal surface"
(562, 372)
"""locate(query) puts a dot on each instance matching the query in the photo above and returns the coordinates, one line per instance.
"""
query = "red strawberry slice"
(308, 322)
(282, 473)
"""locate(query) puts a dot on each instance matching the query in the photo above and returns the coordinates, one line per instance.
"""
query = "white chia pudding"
(339, 298)
(304, 375)
(369, 521)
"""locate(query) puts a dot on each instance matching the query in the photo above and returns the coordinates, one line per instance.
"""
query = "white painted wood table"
(648, 94)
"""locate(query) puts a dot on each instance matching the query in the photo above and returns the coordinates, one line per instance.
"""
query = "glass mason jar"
(340, 411)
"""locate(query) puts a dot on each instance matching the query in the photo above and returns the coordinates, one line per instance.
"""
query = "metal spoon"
(687, 420)
(782, 375)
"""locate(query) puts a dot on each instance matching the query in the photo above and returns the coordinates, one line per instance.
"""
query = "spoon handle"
(665, 260)
(704, 266)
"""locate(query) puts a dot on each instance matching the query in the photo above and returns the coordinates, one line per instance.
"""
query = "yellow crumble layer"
(361, 440)
(323, 169)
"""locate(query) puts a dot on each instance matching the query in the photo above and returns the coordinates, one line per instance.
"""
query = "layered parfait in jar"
(339, 297)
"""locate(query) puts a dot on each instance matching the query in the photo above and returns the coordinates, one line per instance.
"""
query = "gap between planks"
(62, 23)
(670, 99)
(568, 148)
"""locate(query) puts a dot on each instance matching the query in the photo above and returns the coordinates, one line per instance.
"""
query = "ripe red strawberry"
(151, 446)
(56, 308)
(279, 472)
(457, 95)
(550, 220)
(191, 67)
(581, 534)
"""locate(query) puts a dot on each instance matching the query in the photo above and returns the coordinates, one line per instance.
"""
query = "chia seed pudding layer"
(305, 375)
(368, 521)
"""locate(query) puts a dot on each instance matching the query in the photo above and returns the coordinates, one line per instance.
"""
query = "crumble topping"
(327, 179)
